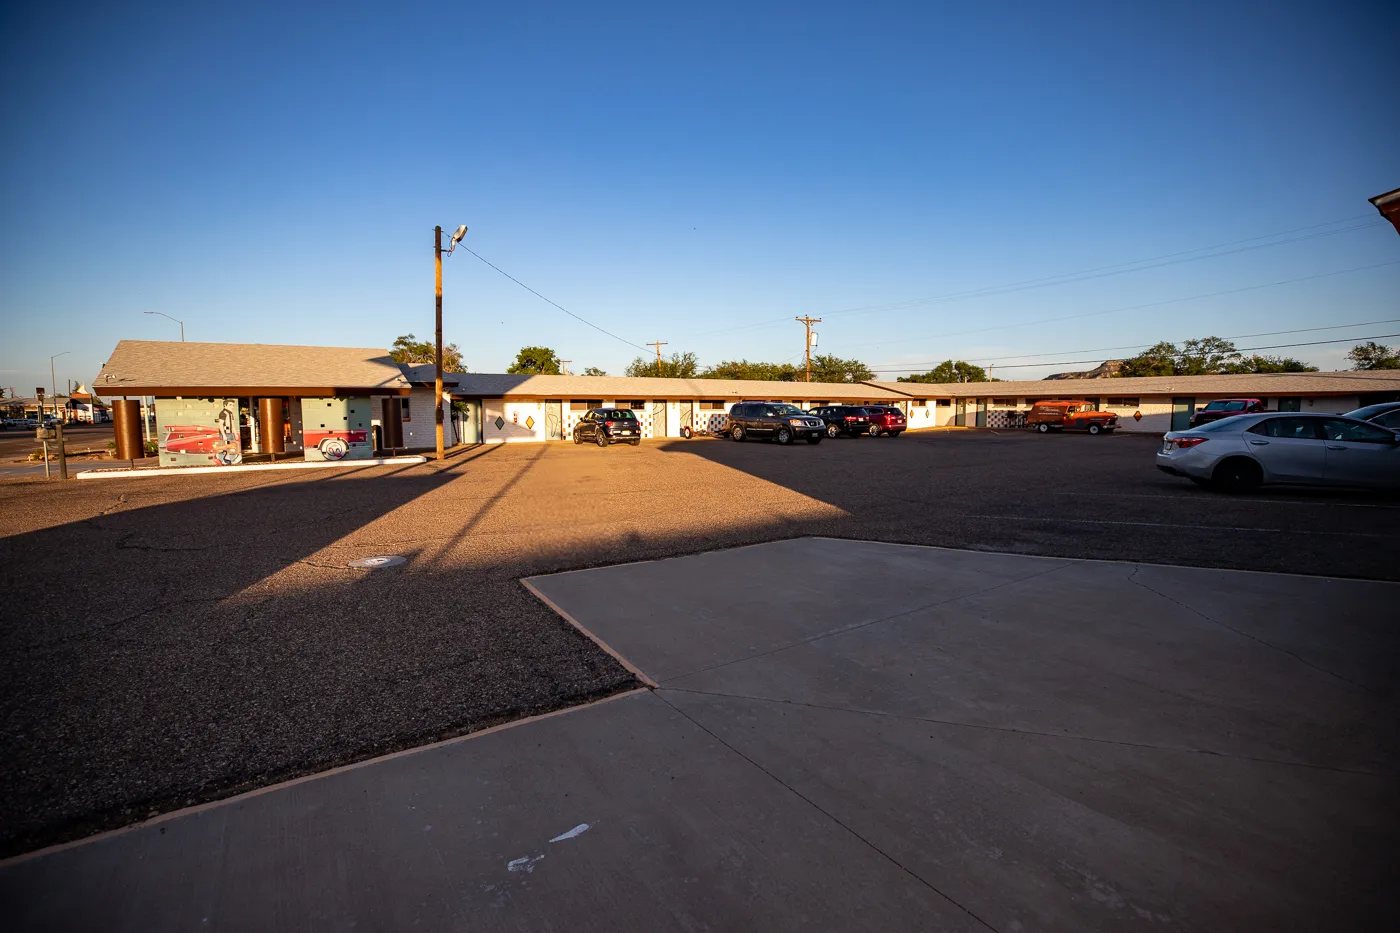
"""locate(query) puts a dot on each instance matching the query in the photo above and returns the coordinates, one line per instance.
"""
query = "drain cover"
(374, 563)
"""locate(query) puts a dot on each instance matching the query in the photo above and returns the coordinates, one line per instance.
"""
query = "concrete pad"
(1042, 833)
(676, 616)
(486, 834)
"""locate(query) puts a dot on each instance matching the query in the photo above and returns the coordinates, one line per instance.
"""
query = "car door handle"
(1336, 447)
(1260, 443)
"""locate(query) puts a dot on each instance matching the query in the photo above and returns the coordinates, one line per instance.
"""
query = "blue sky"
(273, 175)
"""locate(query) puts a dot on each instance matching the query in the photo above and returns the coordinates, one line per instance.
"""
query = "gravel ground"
(172, 640)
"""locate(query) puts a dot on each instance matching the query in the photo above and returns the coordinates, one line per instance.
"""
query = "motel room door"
(1182, 410)
(981, 413)
(960, 413)
(553, 419)
(658, 418)
(687, 415)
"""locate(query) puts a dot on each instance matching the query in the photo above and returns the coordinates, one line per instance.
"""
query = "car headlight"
(797, 422)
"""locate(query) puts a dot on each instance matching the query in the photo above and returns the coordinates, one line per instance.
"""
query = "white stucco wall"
(418, 429)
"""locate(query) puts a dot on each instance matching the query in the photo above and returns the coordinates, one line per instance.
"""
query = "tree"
(535, 361)
(949, 371)
(1371, 355)
(830, 368)
(411, 351)
(1201, 356)
(679, 366)
(743, 369)
(1269, 364)
(594, 371)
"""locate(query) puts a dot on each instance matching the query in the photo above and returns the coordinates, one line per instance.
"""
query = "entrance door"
(687, 413)
(658, 418)
(981, 413)
(960, 413)
(470, 423)
(553, 419)
(1182, 410)
(1291, 403)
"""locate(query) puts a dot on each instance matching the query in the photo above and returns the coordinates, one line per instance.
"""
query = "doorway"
(981, 413)
(1183, 407)
(960, 413)
(658, 418)
(553, 419)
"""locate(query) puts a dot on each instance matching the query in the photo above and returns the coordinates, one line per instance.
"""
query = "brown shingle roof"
(1245, 385)
(498, 385)
(161, 367)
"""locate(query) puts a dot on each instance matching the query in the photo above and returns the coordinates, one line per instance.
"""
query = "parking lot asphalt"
(172, 640)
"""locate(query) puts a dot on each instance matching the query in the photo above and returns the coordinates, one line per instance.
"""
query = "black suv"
(851, 420)
(777, 420)
(605, 425)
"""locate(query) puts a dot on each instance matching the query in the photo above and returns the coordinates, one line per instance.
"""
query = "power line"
(555, 303)
(1276, 346)
(1121, 268)
(1150, 304)
(1139, 346)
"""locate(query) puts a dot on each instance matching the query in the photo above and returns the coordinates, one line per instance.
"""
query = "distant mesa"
(1105, 370)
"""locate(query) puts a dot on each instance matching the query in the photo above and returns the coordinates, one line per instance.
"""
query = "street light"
(53, 384)
(176, 320)
(437, 358)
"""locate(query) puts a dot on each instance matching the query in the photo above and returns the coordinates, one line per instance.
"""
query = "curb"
(233, 470)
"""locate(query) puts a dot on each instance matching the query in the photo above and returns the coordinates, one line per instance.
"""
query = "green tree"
(411, 351)
(1158, 360)
(594, 371)
(1269, 364)
(949, 371)
(830, 368)
(535, 361)
(1371, 355)
(1201, 356)
(678, 366)
(743, 369)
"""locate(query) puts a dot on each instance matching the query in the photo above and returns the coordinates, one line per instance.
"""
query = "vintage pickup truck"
(1071, 415)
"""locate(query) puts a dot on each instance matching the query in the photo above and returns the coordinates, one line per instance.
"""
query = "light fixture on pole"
(437, 354)
(53, 381)
(176, 320)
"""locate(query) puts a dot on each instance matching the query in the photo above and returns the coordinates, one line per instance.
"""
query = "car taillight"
(1183, 442)
(608, 423)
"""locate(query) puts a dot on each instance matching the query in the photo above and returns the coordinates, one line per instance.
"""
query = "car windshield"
(1370, 411)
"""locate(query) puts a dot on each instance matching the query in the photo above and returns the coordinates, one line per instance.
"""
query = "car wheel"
(685, 431)
(334, 448)
(814, 439)
(832, 430)
(1237, 476)
(1043, 428)
(600, 439)
(1094, 429)
(577, 439)
(874, 430)
(783, 436)
(738, 432)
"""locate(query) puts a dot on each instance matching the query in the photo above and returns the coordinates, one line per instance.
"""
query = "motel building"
(215, 403)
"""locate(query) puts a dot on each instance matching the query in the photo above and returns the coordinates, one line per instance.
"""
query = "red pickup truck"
(1070, 415)
(1226, 408)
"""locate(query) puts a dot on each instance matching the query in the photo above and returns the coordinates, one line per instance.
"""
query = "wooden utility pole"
(564, 366)
(808, 322)
(658, 344)
(437, 358)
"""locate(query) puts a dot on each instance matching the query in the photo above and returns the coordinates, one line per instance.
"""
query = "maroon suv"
(885, 419)
(1226, 408)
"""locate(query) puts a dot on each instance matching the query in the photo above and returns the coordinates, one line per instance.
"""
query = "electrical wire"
(1121, 268)
(555, 303)
(1150, 304)
(1276, 346)
(1141, 346)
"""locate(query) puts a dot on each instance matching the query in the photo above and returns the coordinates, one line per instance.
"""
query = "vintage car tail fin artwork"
(202, 443)
(336, 445)
(1070, 415)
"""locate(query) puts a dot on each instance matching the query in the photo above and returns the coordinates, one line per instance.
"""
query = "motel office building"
(216, 402)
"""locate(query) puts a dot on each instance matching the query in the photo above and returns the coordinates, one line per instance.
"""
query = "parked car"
(778, 420)
(1070, 415)
(1384, 414)
(1225, 408)
(1242, 453)
(885, 419)
(334, 444)
(603, 426)
(850, 420)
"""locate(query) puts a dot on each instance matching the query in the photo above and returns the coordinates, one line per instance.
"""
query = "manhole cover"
(374, 563)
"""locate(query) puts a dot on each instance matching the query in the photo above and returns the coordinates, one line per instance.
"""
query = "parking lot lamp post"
(176, 320)
(53, 385)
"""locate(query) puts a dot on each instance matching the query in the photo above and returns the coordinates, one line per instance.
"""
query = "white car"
(1247, 451)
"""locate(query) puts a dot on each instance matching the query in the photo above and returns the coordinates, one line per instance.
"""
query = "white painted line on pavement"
(249, 467)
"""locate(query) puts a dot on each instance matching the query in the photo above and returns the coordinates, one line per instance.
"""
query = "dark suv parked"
(777, 420)
(843, 419)
(885, 419)
(604, 425)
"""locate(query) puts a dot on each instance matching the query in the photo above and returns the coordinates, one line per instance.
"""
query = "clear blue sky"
(681, 171)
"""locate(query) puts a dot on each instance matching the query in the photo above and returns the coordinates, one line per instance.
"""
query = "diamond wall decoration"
(500, 422)
(530, 422)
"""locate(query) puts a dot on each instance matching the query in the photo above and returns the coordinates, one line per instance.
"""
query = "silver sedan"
(1247, 451)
